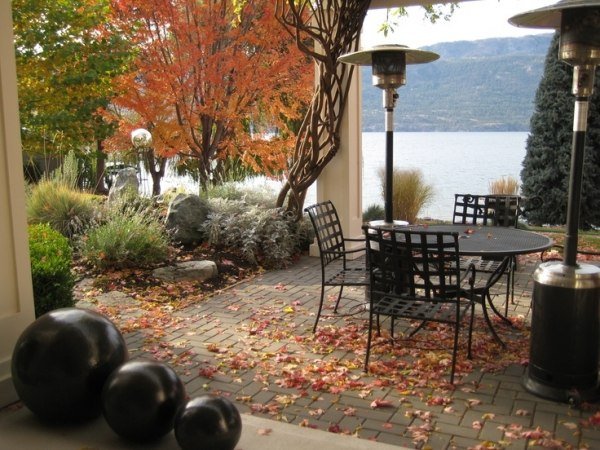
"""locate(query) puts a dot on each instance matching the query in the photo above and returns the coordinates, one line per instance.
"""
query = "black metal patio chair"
(490, 210)
(336, 268)
(416, 275)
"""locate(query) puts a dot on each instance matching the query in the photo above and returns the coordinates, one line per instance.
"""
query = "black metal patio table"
(492, 242)
(486, 241)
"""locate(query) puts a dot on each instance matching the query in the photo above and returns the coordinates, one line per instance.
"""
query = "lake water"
(450, 162)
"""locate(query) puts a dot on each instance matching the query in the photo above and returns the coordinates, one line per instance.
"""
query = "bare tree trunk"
(100, 188)
(324, 31)
(155, 165)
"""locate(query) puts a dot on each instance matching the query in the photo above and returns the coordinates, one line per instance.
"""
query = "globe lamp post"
(563, 362)
(388, 64)
(141, 138)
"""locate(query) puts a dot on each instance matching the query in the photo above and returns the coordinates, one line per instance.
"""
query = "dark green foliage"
(373, 212)
(51, 257)
(131, 236)
(547, 163)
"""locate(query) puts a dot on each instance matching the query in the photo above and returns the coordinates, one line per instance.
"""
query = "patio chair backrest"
(416, 264)
(496, 210)
(328, 231)
(470, 209)
(503, 210)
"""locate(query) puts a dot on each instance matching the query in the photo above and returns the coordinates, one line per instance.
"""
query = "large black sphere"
(140, 400)
(61, 361)
(208, 422)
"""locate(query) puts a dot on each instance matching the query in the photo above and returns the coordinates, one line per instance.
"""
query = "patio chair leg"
(320, 308)
(489, 322)
(469, 355)
(454, 351)
(366, 369)
(337, 303)
(505, 318)
(416, 330)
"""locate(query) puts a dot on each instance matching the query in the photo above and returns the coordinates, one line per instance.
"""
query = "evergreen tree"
(547, 162)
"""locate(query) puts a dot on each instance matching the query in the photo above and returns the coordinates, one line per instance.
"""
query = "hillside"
(484, 85)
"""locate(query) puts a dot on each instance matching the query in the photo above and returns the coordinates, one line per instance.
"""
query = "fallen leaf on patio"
(264, 431)
(473, 402)
(306, 424)
(487, 445)
(538, 433)
(570, 425)
(592, 421)
(449, 409)
(379, 403)
(388, 426)
(280, 287)
(335, 428)
(349, 411)
(522, 412)
(289, 309)
(477, 425)
(437, 400)
(489, 416)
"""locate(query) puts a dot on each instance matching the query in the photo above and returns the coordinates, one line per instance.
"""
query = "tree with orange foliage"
(205, 73)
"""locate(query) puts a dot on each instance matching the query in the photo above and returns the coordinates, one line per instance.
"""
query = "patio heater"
(389, 73)
(563, 359)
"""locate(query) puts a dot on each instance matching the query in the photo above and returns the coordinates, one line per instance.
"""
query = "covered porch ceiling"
(379, 4)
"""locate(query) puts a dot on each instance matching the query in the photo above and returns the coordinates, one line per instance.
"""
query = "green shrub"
(65, 209)
(373, 212)
(410, 193)
(128, 237)
(253, 195)
(265, 236)
(68, 172)
(51, 259)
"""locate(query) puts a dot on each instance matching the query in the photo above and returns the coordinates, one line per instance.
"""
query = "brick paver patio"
(249, 341)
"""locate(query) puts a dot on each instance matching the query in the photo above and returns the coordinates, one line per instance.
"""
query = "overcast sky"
(472, 20)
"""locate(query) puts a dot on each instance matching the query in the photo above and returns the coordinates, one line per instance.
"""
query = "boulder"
(187, 271)
(126, 184)
(186, 214)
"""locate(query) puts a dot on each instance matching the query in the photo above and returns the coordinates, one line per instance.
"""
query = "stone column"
(341, 180)
(16, 301)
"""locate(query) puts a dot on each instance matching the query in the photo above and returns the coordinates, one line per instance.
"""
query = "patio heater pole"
(389, 102)
(565, 328)
(389, 73)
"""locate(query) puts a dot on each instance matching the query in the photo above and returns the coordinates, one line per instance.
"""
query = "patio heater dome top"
(365, 57)
(579, 24)
(549, 16)
(388, 62)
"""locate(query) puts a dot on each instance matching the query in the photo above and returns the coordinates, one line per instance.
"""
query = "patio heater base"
(565, 333)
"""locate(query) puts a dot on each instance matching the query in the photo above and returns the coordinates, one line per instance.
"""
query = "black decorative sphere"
(208, 422)
(140, 400)
(61, 361)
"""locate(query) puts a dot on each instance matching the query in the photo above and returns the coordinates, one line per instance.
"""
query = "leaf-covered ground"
(255, 344)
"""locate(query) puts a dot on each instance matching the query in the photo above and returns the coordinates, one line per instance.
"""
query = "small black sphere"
(208, 422)
(140, 400)
(61, 361)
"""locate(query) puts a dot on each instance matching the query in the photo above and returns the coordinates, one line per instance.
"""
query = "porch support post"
(341, 180)
(16, 301)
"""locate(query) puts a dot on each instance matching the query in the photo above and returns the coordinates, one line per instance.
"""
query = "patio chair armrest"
(471, 273)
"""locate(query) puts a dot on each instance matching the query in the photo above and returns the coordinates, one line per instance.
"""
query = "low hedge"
(51, 259)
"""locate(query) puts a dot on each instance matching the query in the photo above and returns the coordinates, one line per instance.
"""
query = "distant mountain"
(484, 85)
